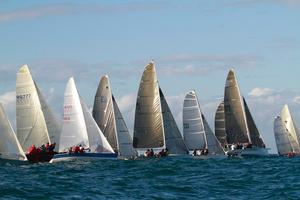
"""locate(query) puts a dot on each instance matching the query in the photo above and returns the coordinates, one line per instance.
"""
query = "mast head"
(24, 69)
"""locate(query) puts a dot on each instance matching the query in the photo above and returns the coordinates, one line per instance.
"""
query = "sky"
(193, 43)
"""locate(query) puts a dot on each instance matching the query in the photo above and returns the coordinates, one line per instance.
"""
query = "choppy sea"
(166, 178)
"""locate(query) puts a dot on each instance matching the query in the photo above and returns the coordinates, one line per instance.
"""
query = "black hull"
(40, 157)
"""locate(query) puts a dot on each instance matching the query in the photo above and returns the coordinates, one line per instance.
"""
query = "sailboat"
(198, 135)
(286, 134)
(109, 118)
(154, 125)
(35, 120)
(10, 148)
(80, 129)
(241, 131)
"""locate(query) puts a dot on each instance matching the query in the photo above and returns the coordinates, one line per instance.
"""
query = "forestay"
(9, 144)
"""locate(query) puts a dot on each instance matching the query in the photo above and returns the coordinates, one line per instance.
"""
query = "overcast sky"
(194, 44)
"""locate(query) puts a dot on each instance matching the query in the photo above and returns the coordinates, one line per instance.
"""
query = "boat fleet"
(102, 133)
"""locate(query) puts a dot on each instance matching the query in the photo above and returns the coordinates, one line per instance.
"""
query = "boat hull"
(40, 157)
(82, 156)
(249, 152)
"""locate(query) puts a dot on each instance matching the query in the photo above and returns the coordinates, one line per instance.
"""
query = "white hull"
(250, 152)
(13, 161)
(204, 157)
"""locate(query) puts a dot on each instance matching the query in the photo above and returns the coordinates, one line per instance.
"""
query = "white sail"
(193, 129)
(31, 125)
(281, 137)
(53, 127)
(292, 130)
(97, 142)
(124, 139)
(74, 130)
(10, 147)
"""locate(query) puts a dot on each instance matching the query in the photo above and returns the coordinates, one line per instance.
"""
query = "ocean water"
(166, 178)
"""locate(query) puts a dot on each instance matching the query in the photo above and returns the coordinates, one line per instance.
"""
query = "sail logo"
(23, 98)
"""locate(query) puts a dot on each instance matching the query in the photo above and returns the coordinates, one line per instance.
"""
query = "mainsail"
(197, 133)
(220, 130)
(235, 118)
(103, 112)
(74, 131)
(31, 125)
(173, 138)
(10, 147)
(148, 123)
(193, 129)
(291, 128)
(281, 137)
(53, 127)
(124, 139)
(97, 141)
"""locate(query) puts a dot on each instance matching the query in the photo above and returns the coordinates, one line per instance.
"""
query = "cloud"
(296, 99)
(289, 3)
(73, 9)
(257, 92)
(202, 64)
